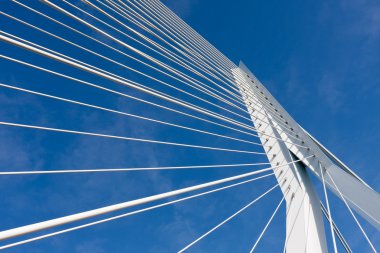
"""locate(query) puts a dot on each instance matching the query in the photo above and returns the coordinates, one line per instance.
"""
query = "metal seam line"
(267, 94)
(257, 97)
(337, 161)
(263, 107)
(289, 132)
(129, 213)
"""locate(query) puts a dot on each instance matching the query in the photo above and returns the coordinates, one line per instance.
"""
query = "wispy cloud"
(294, 87)
(331, 92)
(93, 246)
(365, 17)
(182, 8)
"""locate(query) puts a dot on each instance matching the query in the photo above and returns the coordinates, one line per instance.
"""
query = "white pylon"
(305, 231)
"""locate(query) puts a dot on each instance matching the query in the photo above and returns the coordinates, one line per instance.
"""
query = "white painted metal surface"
(359, 195)
(305, 230)
(292, 152)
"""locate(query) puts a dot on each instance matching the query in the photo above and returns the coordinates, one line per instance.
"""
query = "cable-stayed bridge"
(166, 88)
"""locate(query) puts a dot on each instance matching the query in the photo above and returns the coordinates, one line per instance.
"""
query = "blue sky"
(320, 59)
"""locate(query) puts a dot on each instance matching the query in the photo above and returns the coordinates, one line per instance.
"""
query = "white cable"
(197, 86)
(127, 83)
(226, 220)
(133, 15)
(221, 87)
(177, 41)
(267, 225)
(194, 47)
(352, 213)
(142, 100)
(127, 214)
(200, 42)
(123, 65)
(111, 208)
(337, 231)
(328, 209)
(128, 169)
(167, 51)
(127, 138)
(71, 28)
(145, 89)
(108, 75)
(262, 109)
(103, 210)
(167, 67)
(127, 114)
(95, 17)
(118, 80)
